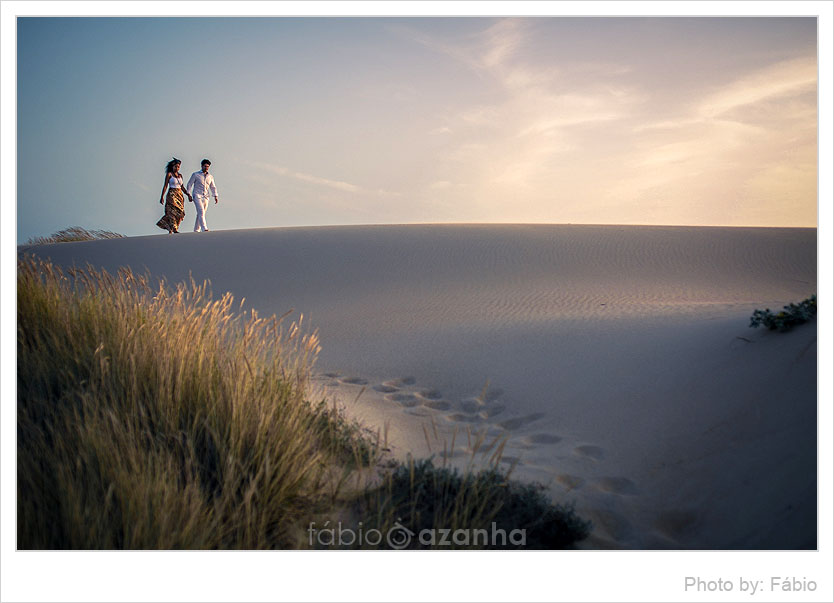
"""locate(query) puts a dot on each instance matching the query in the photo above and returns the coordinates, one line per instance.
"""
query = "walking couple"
(201, 182)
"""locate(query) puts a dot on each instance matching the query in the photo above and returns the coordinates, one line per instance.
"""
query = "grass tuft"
(74, 233)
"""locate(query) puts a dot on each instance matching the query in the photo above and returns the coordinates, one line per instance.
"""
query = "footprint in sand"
(437, 405)
(616, 485)
(430, 394)
(470, 405)
(591, 452)
(402, 381)
(354, 381)
(385, 389)
(407, 400)
(419, 411)
(541, 438)
(517, 422)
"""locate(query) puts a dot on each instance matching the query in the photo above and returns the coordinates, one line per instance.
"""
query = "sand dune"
(617, 359)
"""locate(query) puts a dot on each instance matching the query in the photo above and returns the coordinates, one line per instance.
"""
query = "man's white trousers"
(200, 205)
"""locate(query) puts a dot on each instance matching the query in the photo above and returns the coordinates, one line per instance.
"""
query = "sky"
(315, 121)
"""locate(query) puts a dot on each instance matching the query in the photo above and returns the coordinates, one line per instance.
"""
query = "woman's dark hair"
(170, 167)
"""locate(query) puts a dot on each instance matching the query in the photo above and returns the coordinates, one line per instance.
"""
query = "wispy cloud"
(786, 78)
(338, 185)
(747, 99)
(501, 42)
(516, 138)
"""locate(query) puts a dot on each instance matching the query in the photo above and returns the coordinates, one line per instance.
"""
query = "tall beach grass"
(158, 418)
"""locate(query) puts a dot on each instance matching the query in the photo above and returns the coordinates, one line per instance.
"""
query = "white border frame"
(389, 576)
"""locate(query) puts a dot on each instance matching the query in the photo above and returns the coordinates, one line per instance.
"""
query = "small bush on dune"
(790, 316)
(420, 496)
(74, 233)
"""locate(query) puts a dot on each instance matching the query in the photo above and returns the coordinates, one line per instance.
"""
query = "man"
(202, 182)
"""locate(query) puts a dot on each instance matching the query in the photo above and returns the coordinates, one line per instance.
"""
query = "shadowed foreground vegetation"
(154, 417)
(420, 496)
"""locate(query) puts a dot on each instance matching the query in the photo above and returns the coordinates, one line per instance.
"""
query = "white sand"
(619, 359)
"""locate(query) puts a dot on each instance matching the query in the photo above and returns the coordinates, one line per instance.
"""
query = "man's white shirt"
(202, 183)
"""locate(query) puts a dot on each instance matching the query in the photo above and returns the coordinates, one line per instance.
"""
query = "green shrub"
(790, 316)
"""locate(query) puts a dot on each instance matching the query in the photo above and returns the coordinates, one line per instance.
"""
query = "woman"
(174, 207)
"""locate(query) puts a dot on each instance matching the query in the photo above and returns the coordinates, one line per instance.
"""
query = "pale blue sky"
(395, 120)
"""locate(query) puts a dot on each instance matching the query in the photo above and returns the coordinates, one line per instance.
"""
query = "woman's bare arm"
(164, 186)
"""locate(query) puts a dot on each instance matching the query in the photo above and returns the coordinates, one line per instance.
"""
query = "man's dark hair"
(205, 161)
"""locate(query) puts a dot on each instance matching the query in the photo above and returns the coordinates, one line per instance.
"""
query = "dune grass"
(74, 233)
(161, 419)
(155, 417)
